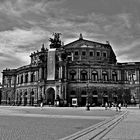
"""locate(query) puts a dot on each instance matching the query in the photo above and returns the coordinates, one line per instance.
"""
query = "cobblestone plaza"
(49, 123)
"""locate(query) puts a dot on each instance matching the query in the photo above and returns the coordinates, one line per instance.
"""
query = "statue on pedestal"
(55, 42)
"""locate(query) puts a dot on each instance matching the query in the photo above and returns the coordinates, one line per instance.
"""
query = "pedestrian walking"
(106, 105)
(119, 106)
(41, 105)
(116, 107)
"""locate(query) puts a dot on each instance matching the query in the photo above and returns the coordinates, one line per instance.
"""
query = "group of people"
(118, 106)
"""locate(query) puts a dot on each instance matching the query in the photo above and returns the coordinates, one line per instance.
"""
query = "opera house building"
(84, 70)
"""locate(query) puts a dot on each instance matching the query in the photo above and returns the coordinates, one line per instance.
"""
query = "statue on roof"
(107, 42)
(43, 48)
(81, 37)
(55, 42)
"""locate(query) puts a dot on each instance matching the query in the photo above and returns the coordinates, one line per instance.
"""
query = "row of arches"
(24, 98)
(94, 75)
(95, 96)
(32, 98)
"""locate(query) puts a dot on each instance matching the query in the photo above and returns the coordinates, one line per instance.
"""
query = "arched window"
(114, 76)
(32, 77)
(72, 75)
(21, 79)
(104, 54)
(32, 98)
(25, 98)
(26, 78)
(84, 75)
(94, 76)
(98, 53)
(105, 76)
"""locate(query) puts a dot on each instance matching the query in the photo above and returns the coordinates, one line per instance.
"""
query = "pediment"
(85, 44)
(81, 44)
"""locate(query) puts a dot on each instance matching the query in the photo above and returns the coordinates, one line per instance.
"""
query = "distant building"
(82, 69)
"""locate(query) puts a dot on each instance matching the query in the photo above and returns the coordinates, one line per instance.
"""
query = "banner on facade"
(51, 64)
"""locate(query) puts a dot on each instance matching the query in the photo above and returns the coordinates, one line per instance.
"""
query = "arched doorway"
(20, 99)
(95, 97)
(25, 98)
(32, 98)
(83, 97)
(50, 96)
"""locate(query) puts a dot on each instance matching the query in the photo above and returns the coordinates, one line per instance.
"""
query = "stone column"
(65, 97)
(78, 75)
(65, 73)
(29, 77)
(16, 97)
(59, 72)
(137, 75)
(23, 77)
(45, 73)
(28, 96)
(39, 92)
(109, 75)
(40, 73)
(90, 74)
(60, 91)
(43, 94)
(35, 97)
(19, 79)
(100, 74)
(36, 75)
(87, 75)
(118, 75)
(3, 79)
(22, 97)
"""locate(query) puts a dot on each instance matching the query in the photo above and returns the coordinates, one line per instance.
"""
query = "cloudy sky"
(26, 24)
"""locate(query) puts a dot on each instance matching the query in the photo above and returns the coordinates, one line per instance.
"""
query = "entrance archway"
(83, 97)
(32, 98)
(25, 98)
(50, 96)
(105, 100)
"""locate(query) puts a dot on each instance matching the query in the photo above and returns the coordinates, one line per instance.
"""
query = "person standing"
(119, 106)
(106, 105)
(116, 107)
(41, 105)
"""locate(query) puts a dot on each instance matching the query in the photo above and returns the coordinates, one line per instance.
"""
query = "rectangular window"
(104, 54)
(90, 53)
(98, 54)
(83, 53)
(76, 53)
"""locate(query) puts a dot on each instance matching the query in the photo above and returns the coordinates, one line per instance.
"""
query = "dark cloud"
(26, 24)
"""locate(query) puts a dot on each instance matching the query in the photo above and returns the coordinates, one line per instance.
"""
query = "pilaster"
(29, 77)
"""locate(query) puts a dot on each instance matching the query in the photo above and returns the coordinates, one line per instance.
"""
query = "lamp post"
(87, 100)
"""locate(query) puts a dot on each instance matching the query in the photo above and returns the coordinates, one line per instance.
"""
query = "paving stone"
(128, 129)
(31, 123)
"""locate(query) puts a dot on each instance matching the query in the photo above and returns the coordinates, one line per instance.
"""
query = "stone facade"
(82, 69)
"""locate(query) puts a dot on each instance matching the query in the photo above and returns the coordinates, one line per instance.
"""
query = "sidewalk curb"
(97, 131)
